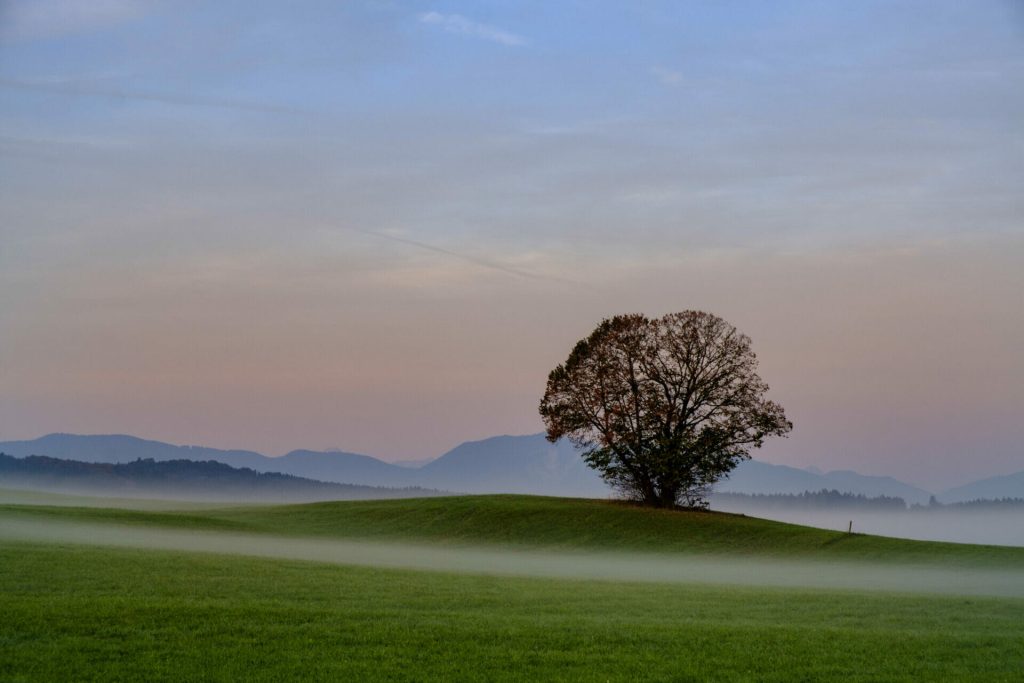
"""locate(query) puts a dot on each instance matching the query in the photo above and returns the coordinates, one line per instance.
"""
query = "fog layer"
(985, 527)
(745, 571)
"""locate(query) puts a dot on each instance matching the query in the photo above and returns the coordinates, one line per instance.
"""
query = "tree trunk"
(661, 498)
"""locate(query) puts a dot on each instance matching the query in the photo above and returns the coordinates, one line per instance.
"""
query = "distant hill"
(501, 464)
(332, 466)
(414, 464)
(1007, 486)
(114, 448)
(506, 464)
(514, 464)
(180, 479)
(756, 477)
(342, 467)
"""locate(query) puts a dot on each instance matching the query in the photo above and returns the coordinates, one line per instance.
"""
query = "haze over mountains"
(754, 476)
(189, 480)
(501, 464)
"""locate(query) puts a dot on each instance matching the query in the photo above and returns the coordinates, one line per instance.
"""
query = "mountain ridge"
(181, 480)
(756, 476)
(498, 464)
(1000, 486)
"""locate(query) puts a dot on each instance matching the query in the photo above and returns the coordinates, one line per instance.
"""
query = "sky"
(377, 226)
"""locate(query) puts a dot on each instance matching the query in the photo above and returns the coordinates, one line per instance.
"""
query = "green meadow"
(85, 605)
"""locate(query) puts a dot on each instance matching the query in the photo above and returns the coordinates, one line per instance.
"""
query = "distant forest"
(833, 499)
(809, 500)
(215, 481)
(185, 479)
(977, 504)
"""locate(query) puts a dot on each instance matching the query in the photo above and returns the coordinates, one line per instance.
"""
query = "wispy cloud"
(29, 19)
(456, 23)
(76, 89)
(667, 76)
(482, 262)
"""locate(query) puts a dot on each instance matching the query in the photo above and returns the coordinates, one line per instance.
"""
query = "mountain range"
(500, 464)
(180, 480)
(993, 488)
(755, 476)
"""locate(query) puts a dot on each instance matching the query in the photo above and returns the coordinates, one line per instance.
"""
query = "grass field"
(77, 611)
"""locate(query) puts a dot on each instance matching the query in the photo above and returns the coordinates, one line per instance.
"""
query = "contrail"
(184, 100)
(476, 260)
(88, 91)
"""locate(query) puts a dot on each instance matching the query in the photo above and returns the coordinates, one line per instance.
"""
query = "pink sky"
(377, 228)
(900, 361)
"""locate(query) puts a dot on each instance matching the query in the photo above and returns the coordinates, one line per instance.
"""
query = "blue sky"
(272, 226)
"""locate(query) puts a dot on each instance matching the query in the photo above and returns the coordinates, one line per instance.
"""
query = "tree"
(662, 408)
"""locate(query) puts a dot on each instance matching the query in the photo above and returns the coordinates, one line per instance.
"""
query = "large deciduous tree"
(662, 408)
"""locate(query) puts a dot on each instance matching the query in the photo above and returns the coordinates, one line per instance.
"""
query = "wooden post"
(849, 529)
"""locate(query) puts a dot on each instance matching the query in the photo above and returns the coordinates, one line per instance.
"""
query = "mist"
(25, 492)
(984, 527)
(638, 567)
(954, 525)
(85, 498)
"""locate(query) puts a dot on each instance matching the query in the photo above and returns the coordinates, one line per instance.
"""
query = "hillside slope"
(533, 522)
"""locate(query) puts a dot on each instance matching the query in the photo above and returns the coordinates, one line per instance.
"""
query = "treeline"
(979, 504)
(809, 500)
(832, 499)
(187, 479)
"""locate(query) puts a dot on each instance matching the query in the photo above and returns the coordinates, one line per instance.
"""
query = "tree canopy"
(662, 408)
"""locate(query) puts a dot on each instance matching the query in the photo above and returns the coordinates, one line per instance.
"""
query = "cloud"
(667, 76)
(456, 23)
(30, 19)
(485, 263)
(75, 89)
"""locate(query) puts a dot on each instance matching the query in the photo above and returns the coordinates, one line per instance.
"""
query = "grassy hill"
(545, 523)
(75, 612)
